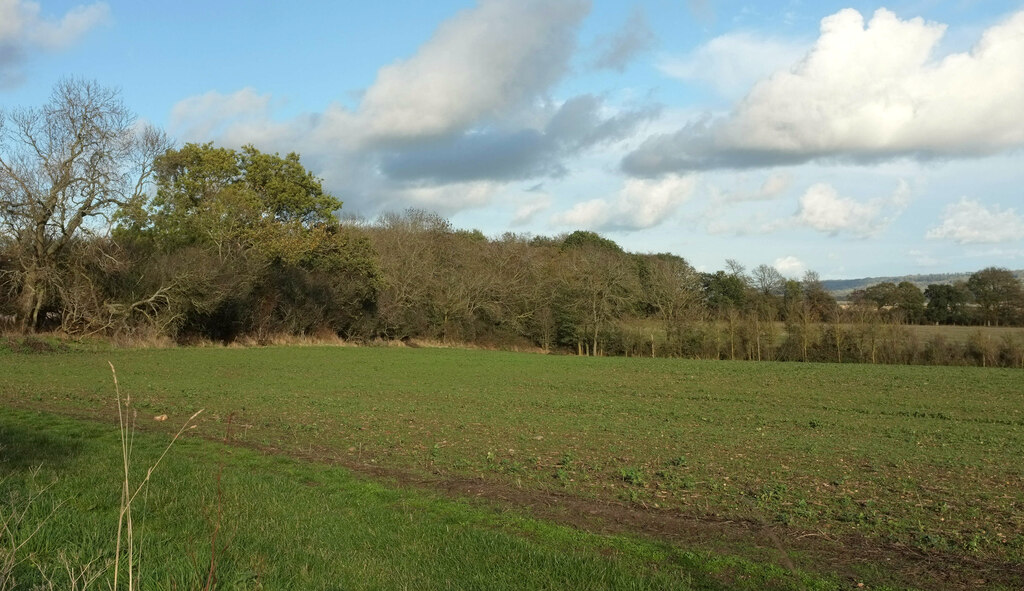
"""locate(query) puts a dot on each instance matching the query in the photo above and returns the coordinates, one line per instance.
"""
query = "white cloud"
(470, 109)
(479, 64)
(529, 209)
(448, 199)
(824, 210)
(58, 35)
(198, 118)
(595, 213)
(645, 203)
(790, 266)
(864, 92)
(640, 204)
(733, 62)
(775, 185)
(23, 30)
(970, 222)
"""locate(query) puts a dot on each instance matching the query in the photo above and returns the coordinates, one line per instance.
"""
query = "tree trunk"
(31, 301)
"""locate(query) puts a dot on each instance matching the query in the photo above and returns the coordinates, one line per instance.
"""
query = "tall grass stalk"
(126, 416)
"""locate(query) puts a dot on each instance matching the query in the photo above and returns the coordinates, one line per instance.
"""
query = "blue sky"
(853, 139)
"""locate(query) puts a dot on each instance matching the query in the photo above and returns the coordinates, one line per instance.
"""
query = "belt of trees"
(107, 229)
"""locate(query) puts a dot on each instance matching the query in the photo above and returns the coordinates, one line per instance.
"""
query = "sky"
(853, 139)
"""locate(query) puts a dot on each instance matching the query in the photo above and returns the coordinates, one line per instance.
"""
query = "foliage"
(999, 295)
(64, 167)
(903, 302)
(587, 239)
(275, 258)
(723, 291)
(244, 245)
(947, 304)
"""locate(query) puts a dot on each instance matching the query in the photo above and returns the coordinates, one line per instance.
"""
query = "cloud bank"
(445, 127)
(865, 92)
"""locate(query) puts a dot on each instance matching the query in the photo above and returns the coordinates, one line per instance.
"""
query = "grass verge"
(290, 524)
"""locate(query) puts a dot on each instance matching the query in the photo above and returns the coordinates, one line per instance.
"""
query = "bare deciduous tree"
(64, 168)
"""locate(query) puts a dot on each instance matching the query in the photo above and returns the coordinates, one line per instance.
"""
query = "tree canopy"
(64, 168)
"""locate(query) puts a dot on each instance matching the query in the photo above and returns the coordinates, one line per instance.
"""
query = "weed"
(772, 493)
(633, 476)
(633, 496)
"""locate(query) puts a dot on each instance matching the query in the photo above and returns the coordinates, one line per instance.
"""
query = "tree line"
(108, 229)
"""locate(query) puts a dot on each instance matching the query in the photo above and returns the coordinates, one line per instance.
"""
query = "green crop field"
(683, 474)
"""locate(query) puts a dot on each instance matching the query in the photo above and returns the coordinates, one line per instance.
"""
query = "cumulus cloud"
(732, 62)
(970, 222)
(790, 266)
(634, 38)
(864, 92)
(640, 204)
(824, 210)
(479, 64)
(595, 213)
(470, 109)
(23, 30)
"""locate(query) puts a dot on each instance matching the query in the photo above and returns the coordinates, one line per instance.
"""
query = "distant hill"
(841, 288)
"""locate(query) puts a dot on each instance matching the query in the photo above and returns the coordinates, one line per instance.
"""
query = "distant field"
(923, 332)
(904, 475)
(960, 334)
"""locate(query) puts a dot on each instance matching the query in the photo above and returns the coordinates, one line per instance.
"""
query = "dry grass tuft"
(126, 534)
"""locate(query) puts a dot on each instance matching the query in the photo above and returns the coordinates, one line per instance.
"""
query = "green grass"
(927, 458)
(286, 524)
